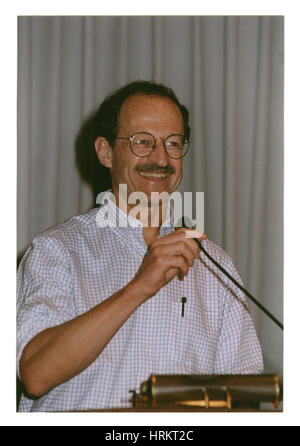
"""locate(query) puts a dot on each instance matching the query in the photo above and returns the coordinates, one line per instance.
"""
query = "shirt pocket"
(191, 343)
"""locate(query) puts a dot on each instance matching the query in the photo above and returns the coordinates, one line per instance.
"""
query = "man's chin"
(148, 185)
(151, 192)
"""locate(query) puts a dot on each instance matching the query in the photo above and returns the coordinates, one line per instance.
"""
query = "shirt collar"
(110, 215)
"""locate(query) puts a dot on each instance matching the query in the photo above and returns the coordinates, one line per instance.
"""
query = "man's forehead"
(140, 105)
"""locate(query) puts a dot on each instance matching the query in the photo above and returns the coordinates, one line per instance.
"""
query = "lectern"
(208, 391)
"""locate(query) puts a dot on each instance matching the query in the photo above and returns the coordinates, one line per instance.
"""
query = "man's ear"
(104, 151)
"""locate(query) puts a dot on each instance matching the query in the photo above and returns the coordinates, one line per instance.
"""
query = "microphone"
(268, 313)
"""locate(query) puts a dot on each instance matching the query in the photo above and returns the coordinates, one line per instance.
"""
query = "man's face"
(161, 117)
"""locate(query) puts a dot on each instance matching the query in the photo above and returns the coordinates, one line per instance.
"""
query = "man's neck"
(150, 234)
(151, 216)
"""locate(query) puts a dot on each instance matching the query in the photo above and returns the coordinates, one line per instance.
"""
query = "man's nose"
(159, 154)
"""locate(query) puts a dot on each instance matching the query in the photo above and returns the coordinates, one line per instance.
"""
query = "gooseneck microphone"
(271, 316)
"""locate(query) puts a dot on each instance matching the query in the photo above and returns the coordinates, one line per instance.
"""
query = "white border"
(8, 182)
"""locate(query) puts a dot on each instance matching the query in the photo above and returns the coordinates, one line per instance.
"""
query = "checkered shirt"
(75, 266)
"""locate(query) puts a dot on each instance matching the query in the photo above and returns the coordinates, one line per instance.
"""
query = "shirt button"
(145, 345)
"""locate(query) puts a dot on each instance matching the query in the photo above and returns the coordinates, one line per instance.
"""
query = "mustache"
(155, 168)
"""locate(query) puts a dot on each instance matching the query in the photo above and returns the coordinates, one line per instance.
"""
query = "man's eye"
(142, 142)
(173, 144)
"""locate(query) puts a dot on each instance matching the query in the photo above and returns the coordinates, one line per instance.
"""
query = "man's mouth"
(153, 175)
(153, 171)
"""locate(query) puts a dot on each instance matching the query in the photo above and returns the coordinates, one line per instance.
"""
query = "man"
(101, 308)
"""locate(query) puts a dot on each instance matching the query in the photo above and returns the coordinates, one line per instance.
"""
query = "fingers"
(172, 266)
(175, 252)
(194, 233)
(179, 267)
(181, 234)
(167, 257)
(188, 249)
(181, 238)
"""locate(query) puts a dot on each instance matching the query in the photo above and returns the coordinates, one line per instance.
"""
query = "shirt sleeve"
(239, 350)
(44, 290)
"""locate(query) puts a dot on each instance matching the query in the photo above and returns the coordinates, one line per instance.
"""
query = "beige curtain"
(227, 70)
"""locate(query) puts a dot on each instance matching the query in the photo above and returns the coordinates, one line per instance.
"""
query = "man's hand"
(166, 258)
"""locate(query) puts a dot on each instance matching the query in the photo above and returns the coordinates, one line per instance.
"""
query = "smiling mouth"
(153, 175)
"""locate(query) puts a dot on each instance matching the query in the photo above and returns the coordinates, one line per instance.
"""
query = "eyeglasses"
(143, 143)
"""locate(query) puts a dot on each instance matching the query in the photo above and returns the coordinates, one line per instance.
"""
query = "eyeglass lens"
(142, 144)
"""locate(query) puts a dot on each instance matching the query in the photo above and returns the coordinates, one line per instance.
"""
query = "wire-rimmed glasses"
(143, 143)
